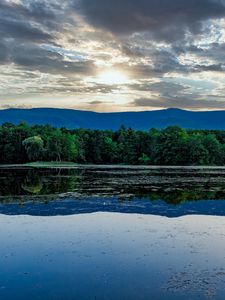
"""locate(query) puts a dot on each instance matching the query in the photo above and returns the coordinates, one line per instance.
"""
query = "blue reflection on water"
(105, 247)
(112, 204)
(112, 256)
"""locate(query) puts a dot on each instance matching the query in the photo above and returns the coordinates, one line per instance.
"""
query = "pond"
(111, 232)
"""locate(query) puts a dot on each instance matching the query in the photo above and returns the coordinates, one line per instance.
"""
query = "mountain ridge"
(142, 120)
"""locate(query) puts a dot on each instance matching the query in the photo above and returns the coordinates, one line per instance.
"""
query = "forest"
(173, 145)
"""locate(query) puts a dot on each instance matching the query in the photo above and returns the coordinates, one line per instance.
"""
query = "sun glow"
(112, 77)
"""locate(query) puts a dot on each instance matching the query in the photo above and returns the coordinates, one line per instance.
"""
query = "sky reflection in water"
(120, 252)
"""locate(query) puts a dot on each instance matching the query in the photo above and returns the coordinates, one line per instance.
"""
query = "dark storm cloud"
(25, 27)
(37, 58)
(36, 10)
(22, 30)
(153, 62)
(3, 53)
(166, 19)
(29, 20)
(21, 24)
(209, 68)
(214, 51)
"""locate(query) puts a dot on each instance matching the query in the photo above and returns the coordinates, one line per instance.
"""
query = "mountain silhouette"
(137, 120)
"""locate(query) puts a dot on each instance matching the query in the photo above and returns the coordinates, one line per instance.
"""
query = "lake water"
(112, 233)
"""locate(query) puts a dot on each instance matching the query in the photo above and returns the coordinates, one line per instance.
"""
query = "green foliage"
(34, 147)
(196, 153)
(170, 146)
(61, 146)
(144, 159)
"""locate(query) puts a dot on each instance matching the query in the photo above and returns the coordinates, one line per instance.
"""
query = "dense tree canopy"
(170, 146)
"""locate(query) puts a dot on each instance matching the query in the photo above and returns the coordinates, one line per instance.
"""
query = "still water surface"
(106, 233)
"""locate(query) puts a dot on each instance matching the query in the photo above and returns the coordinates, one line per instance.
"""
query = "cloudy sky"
(112, 55)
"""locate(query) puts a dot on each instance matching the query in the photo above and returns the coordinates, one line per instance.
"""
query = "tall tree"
(34, 147)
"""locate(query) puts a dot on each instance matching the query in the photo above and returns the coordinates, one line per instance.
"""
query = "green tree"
(213, 147)
(61, 146)
(69, 147)
(196, 153)
(127, 146)
(34, 147)
(170, 146)
(110, 150)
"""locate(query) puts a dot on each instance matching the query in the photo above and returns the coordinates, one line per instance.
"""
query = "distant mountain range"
(138, 120)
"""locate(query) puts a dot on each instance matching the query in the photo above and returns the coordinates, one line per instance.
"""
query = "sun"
(112, 77)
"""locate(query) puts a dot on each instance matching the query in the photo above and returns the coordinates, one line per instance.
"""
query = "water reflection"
(168, 192)
(22, 182)
(112, 256)
(104, 233)
(170, 185)
(32, 183)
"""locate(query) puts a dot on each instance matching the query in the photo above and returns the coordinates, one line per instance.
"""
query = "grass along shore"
(71, 165)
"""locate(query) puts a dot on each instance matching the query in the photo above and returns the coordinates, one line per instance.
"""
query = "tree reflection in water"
(32, 183)
(171, 186)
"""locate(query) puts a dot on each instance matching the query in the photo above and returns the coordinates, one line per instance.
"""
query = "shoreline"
(49, 165)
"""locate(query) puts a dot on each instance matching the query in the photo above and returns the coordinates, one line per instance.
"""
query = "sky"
(112, 55)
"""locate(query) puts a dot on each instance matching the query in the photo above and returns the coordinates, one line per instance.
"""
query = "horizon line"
(110, 112)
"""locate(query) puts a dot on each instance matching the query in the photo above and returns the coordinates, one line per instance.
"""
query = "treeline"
(171, 146)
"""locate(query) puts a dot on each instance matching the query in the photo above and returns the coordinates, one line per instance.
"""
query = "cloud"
(47, 61)
(169, 94)
(22, 30)
(26, 20)
(96, 102)
(171, 51)
(28, 34)
(183, 103)
(24, 23)
(165, 19)
(3, 53)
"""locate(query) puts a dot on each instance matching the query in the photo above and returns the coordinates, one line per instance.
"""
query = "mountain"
(138, 120)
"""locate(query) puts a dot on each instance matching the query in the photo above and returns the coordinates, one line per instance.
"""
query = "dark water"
(112, 233)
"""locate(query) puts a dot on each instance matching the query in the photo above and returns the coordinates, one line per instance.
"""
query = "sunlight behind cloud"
(69, 51)
(112, 77)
